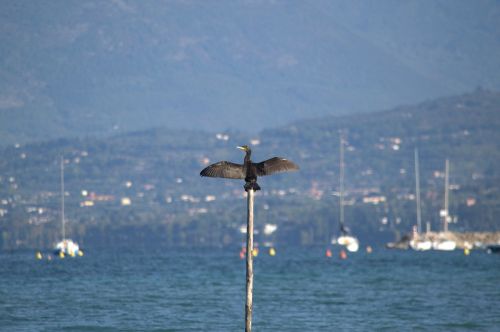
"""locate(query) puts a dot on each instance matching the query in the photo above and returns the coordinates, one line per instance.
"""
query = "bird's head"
(244, 148)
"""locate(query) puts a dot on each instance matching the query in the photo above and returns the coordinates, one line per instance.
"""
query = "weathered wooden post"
(249, 288)
(249, 172)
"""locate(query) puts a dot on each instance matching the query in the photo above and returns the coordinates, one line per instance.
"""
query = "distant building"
(255, 141)
(374, 199)
(210, 198)
(471, 201)
(222, 137)
(270, 229)
(101, 198)
(125, 201)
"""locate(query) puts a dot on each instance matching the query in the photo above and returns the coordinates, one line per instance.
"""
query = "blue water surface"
(296, 290)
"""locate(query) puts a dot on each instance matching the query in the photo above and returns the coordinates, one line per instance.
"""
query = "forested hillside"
(144, 186)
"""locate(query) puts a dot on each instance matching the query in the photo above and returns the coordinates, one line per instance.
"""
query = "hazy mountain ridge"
(93, 68)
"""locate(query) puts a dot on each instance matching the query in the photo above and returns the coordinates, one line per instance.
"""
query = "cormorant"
(249, 170)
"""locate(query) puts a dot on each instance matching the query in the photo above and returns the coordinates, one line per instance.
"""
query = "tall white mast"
(417, 188)
(62, 199)
(341, 181)
(446, 195)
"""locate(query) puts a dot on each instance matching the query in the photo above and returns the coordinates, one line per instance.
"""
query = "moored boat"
(350, 242)
(444, 245)
(421, 245)
(65, 246)
(418, 241)
(493, 249)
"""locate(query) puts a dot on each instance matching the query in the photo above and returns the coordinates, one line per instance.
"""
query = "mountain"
(144, 186)
(93, 68)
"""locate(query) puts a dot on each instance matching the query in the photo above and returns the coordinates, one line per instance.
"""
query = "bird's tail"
(251, 185)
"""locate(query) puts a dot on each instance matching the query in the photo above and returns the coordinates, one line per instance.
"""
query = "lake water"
(204, 290)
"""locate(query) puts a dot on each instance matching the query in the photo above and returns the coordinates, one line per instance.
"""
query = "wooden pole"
(249, 288)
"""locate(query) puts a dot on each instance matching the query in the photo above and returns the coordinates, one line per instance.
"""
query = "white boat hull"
(67, 247)
(421, 245)
(350, 242)
(447, 245)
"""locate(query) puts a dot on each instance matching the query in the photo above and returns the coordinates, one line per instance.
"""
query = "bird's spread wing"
(224, 169)
(275, 165)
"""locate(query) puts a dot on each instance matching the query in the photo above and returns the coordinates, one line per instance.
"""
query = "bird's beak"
(241, 148)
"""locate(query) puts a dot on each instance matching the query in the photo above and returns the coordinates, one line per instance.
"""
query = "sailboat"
(65, 246)
(416, 242)
(445, 244)
(345, 239)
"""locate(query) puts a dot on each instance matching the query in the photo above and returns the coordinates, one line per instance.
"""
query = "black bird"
(249, 170)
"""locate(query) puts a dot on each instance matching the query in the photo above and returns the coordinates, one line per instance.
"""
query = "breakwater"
(469, 240)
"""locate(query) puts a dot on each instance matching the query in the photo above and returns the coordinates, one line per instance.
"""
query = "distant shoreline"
(464, 240)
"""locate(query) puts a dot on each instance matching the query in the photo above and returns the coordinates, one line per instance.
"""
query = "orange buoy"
(328, 253)
(342, 254)
(242, 255)
(369, 249)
